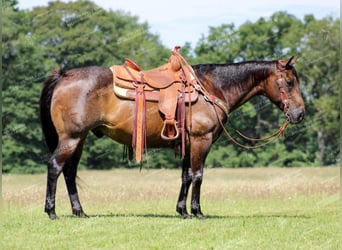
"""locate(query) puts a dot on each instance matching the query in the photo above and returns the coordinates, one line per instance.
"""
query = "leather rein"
(224, 107)
(280, 132)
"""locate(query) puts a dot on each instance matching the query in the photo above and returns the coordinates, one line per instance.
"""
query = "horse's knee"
(197, 178)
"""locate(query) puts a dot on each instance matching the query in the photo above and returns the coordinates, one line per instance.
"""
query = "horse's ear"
(290, 63)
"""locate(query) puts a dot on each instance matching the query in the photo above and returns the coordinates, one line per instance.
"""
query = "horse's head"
(282, 88)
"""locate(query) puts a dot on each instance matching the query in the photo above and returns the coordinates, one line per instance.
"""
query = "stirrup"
(167, 137)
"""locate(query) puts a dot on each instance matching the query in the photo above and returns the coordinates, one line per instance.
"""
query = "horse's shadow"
(207, 217)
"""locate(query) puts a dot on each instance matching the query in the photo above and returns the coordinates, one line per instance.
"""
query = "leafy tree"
(62, 35)
(320, 57)
(316, 43)
(22, 67)
(80, 33)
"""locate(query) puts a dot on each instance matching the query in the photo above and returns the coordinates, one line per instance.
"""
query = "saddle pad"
(130, 93)
(150, 95)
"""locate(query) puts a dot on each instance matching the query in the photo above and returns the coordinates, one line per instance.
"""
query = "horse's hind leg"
(70, 172)
(63, 152)
(186, 182)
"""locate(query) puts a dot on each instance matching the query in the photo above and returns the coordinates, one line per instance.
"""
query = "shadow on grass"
(207, 217)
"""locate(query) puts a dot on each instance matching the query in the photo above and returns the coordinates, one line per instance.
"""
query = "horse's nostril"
(299, 115)
(295, 115)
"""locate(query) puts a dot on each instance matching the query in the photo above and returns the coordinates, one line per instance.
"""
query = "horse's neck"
(237, 96)
(238, 83)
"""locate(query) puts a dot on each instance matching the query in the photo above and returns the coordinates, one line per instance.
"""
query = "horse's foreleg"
(62, 153)
(196, 192)
(70, 172)
(199, 151)
(186, 182)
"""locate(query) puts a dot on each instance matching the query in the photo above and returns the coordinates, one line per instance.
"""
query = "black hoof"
(186, 216)
(52, 214)
(198, 214)
(79, 213)
(183, 213)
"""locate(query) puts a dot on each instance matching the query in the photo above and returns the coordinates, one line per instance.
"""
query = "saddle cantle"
(170, 85)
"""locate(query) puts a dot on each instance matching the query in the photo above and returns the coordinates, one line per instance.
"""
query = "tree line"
(75, 34)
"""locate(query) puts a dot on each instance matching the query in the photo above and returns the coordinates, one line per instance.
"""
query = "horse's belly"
(119, 125)
(119, 122)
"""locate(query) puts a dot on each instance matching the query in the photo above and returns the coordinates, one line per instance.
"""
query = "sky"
(180, 21)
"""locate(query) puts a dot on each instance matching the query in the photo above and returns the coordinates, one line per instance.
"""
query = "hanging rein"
(280, 132)
(216, 102)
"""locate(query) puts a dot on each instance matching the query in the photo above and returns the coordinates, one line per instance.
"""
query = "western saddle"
(171, 85)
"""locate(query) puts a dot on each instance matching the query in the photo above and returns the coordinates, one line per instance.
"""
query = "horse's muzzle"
(295, 116)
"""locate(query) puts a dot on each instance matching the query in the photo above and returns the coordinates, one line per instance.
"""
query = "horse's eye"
(289, 82)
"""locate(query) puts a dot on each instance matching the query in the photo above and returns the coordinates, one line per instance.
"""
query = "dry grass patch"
(266, 208)
(133, 185)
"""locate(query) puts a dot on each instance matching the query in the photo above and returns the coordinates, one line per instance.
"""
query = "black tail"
(49, 131)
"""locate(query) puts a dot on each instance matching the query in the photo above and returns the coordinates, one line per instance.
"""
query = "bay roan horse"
(77, 101)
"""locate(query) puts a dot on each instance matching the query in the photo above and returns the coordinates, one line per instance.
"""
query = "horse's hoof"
(51, 213)
(79, 213)
(53, 216)
(183, 213)
(200, 216)
(83, 215)
(198, 213)
(186, 216)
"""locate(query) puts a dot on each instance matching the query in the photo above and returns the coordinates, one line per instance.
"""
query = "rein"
(225, 108)
(280, 132)
(269, 139)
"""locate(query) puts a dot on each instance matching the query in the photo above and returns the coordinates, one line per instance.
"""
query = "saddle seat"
(157, 78)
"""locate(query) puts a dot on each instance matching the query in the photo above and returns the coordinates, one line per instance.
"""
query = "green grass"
(246, 209)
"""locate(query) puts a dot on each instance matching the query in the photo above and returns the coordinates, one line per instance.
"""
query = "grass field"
(264, 208)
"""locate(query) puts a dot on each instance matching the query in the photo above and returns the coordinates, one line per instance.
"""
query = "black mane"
(236, 74)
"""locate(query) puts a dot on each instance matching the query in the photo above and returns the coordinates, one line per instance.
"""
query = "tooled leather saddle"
(171, 85)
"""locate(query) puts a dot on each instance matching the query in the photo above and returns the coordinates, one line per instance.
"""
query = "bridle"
(280, 83)
(285, 101)
(217, 103)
